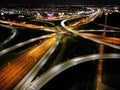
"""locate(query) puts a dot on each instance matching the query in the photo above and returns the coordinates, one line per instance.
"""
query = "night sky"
(63, 2)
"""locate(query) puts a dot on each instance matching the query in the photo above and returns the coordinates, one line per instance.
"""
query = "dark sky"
(56, 2)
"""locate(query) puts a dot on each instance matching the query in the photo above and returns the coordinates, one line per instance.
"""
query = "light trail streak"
(33, 72)
(117, 28)
(38, 83)
(38, 55)
(12, 36)
(104, 38)
(87, 37)
(85, 20)
(92, 30)
(29, 25)
(24, 43)
(11, 74)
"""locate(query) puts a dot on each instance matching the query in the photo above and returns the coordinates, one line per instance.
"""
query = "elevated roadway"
(87, 36)
(38, 83)
(30, 61)
(20, 73)
(33, 72)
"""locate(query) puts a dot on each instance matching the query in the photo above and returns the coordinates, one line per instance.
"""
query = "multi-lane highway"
(20, 71)
(50, 74)
(11, 74)
(33, 72)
